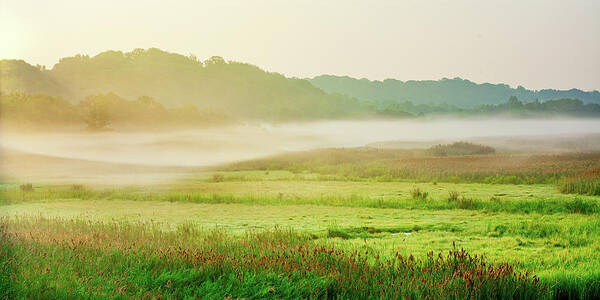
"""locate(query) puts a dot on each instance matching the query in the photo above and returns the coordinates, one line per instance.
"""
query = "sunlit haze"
(536, 44)
(300, 149)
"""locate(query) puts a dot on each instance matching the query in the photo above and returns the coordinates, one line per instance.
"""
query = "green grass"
(542, 199)
(374, 164)
(418, 194)
(123, 260)
(583, 186)
(548, 245)
(76, 241)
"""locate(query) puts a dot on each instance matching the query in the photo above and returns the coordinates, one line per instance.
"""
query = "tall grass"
(54, 259)
(396, 165)
(418, 194)
(542, 206)
(453, 196)
(7, 266)
(587, 183)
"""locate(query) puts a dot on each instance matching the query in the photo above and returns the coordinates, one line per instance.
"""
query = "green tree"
(514, 103)
(97, 114)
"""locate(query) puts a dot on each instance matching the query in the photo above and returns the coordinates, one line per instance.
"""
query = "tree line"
(105, 111)
(460, 92)
(102, 112)
(246, 92)
(513, 107)
(242, 90)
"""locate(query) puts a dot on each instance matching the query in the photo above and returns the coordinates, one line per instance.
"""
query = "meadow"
(455, 153)
(397, 165)
(331, 223)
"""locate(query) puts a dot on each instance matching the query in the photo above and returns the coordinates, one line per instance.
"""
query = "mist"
(207, 147)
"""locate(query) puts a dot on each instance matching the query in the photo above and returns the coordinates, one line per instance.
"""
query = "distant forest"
(154, 88)
(457, 92)
(512, 107)
(102, 112)
(239, 89)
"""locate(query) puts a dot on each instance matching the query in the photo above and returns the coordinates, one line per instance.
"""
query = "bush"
(77, 187)
(26, 187)
(460, 148)
(217, 178)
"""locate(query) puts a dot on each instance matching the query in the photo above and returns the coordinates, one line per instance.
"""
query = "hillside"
(244, 91)
(19, 76)
(238, 89)
(459, 92)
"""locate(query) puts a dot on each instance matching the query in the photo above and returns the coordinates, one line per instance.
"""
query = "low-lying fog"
(221, 145)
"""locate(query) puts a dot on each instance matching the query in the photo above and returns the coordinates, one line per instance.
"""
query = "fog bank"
(221, 145)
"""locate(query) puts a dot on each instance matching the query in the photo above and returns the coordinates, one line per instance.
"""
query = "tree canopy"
(162, 83)
(458, 92)
(102, 111)
(240, 89)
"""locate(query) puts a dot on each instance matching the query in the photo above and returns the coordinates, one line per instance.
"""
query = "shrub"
(460, 148)
(217, 178)
(77, 187)
(26, 187)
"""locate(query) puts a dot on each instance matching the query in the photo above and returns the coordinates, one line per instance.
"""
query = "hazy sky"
(537, 44)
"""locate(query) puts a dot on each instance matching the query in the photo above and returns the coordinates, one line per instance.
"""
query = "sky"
(536, 44)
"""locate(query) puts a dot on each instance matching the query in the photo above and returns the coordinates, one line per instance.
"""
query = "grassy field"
(394, 165)
(248, 187)
(257, 232)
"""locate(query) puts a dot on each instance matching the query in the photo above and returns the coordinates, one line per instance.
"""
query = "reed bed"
(586, 183)
(396, 165)
(76, 259)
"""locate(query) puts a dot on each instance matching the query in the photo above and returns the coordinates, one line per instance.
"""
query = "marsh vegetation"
(325, 223)
(153, 175)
